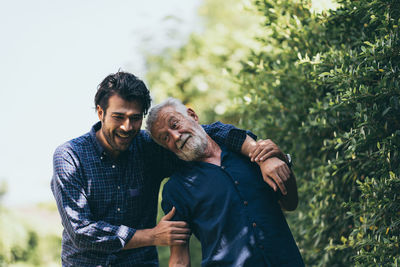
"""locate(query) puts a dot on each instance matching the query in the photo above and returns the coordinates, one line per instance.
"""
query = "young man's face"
(119, 123)
(180, 134)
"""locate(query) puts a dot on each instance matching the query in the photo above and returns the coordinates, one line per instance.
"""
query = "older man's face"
(180, 134)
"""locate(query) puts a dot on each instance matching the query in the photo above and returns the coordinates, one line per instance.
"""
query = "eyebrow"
(123, 114)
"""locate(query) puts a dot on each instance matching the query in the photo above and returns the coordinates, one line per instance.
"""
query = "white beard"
(195, 146)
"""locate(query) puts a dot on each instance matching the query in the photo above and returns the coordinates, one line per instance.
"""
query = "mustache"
(183, 140)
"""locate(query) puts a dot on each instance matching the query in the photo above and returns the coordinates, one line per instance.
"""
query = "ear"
(192, 114)
(100, 112)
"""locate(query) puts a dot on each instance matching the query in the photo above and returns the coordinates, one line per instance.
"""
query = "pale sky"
(53, 54)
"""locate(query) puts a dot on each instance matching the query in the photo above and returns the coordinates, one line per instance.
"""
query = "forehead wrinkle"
(159, 123)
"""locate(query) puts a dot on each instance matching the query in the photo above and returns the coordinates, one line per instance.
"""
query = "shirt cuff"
(236, 138)
(125, 234)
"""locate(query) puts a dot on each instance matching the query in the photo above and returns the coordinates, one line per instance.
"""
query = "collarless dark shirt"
(103, 201)
(233, 212)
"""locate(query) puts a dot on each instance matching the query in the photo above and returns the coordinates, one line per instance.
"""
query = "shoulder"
(74, 147)
(143, 139)
(215, 125)
(143, 135)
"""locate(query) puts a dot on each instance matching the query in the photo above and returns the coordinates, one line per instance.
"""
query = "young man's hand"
(265, 149)
(169, 233)
(165, 233)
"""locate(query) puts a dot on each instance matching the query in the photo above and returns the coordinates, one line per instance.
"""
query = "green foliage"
(325, 87)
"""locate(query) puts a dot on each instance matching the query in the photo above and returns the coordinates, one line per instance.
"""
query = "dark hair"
(127, 86)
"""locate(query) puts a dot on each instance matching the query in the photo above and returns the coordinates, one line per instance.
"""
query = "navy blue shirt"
(233, 212)
(103, 201)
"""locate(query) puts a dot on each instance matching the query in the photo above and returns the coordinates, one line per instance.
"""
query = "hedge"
(325, 87)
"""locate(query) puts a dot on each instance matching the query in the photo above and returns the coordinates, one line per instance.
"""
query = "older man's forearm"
(290, 201)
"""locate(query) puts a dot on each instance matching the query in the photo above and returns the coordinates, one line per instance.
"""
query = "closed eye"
(165, 138)
(137, 117)
(118, 118)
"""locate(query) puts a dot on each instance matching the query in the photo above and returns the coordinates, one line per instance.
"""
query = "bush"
(28, 240)
(325, 87)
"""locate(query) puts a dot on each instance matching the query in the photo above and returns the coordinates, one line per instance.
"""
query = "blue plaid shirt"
(103, 201)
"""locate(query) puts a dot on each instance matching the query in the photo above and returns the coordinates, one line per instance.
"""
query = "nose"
(127, 125)
(175, 135)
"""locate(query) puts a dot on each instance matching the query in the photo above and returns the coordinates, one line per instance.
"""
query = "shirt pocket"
(135, 201)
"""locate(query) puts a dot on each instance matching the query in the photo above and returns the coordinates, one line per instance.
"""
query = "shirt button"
(236, 182)
(118, 187)
(223, 167)
(254, 225)
(118, 209)
(113, 166)
(101, 157)
(245, 203)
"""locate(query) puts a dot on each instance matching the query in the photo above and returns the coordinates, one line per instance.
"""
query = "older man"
(223, 197)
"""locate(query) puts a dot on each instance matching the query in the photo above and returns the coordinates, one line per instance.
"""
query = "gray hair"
(154, 111)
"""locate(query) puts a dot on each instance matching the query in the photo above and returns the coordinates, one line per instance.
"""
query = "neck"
(213, 153)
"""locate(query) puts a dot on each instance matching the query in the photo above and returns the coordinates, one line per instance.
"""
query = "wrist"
(145, 237)
(151, 237)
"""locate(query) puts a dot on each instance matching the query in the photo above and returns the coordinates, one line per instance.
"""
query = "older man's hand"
(276, 173)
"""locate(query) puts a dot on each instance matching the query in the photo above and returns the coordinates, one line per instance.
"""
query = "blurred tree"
(27, 240)
(198, 72)
(3, 190)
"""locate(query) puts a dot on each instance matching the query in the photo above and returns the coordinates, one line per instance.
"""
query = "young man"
(106, 182)
(223, 197)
